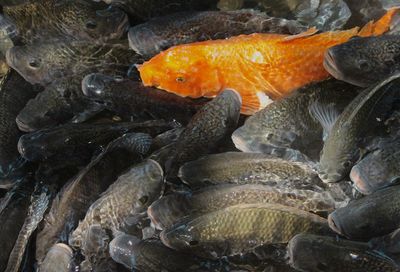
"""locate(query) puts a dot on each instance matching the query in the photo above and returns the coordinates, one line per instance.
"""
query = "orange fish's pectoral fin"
(254, 101)
(304, 34)
(382, 25)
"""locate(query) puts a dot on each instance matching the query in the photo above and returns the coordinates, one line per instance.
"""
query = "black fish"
(14, 93)
(131, 99)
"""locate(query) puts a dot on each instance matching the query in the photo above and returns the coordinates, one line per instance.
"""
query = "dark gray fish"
(293, 122)
(72, 138)
(62, 101)
(45, 62)
(249, 168)
(314, 253)
(161, 33)
(388, 244)
(130, 99)
(207, 128)
(150, 255)
(169, 209)
(58, 259)
(145, 9)
(371, 216)
(378, 169)
(12, 218)
(342, 147)
(76, 197)
(166, 138)
(363, 11)
(364, 61)
(46, 19)
(39, 204)
(14, 93)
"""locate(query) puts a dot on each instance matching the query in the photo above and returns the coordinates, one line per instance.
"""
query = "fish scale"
(240, 228)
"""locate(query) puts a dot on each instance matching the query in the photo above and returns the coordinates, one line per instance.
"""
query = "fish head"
(307, 254)
(39, 63)
(52, 106)
(336, 160)
(181, 70)
(363, 61)
(59, 257)
(95, 20)
(31, 145)
(97, 85)
(144, 41)
(124, 250)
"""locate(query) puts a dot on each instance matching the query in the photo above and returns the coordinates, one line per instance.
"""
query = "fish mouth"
(331, 66)
(144, 41)
(22, 126)
(359, 181)
(333, 225)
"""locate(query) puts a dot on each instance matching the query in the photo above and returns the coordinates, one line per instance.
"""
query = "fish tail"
(381, 26)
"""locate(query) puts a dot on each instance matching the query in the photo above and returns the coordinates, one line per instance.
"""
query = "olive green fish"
(241, 228)
(167, 210)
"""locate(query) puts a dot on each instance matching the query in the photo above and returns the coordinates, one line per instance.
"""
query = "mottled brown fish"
(161, 33)
(45, 62)
(75, 198)
(47, 19)
(249, 168)
(240, 228)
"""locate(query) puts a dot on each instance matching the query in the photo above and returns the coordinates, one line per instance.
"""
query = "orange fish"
(261, 67)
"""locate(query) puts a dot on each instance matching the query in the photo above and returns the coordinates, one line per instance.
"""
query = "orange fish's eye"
(180, 79)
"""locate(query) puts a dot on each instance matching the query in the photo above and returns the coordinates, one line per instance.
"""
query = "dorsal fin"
(305, 34)
(381, 26)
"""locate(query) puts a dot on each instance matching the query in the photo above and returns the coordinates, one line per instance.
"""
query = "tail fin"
(381, 26)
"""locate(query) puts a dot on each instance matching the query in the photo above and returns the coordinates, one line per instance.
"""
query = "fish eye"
(143, 199)
(363, 65)
(180, 79)
(91, 25)
(193, 243)
(34, 63)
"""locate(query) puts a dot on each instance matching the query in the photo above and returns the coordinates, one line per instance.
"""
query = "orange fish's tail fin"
(382, 25)
(254, 101)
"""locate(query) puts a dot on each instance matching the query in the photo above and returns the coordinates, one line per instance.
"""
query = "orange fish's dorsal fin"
(254, 101)
(304, 34)
(381, 26)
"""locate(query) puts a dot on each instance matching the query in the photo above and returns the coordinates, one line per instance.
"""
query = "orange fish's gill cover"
(261, 67)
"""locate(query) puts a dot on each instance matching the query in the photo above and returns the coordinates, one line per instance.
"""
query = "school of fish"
(217, 135)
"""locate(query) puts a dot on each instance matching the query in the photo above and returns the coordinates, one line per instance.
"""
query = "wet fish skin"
(249, 168)
(319, 253)
(60, 102)
(37, 209)
(240, 228)
(169, 209)
(371, 216)
(14, 93)
(149, 255)
(341, 148)
(58, 259)
(72, 138)
(129, 195)
(131, 99)
(76, 197)
(378, 169)
(207, 128)
(364, 61)
(289, 122)
(161, 33)
(46, 19)
(145, 9)
(45, 62)
(13, 216)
